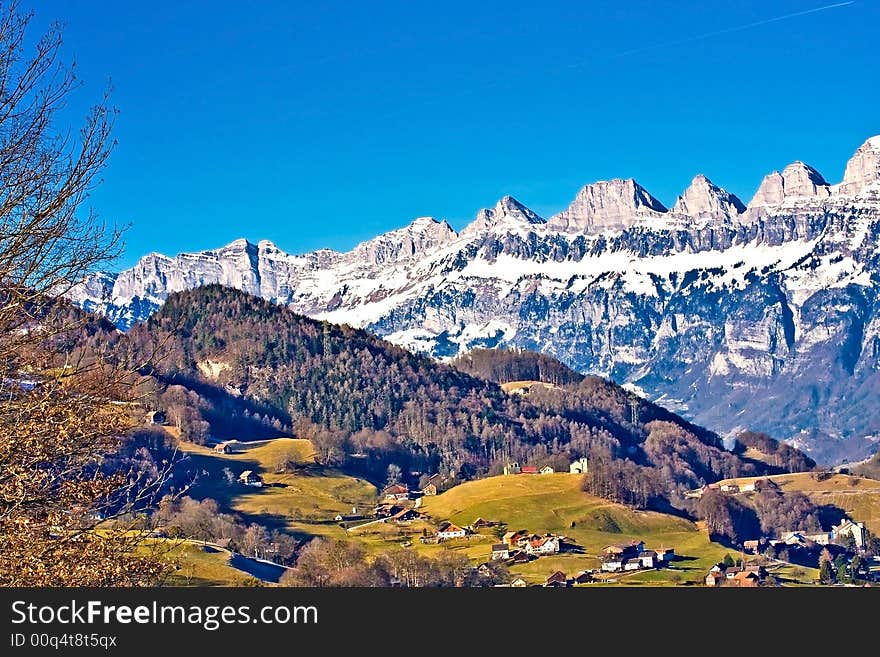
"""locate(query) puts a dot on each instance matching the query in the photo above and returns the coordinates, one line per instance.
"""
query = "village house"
(511, 468)
(613, 564)
(750, 575)
(481, 523)
(729, 488)
(433, 485)
(448, 530)
(520, 557)
(747, 487)
(542, 546)
(624, 550)
(850, 528)
(546, 470)
(583, 577)
(396, 492)
(754, 546)
(500, 551)
(404, 515)
(633, 563)
(578, 466)
(519, 583)
(714, 578)
(648, 558)
(517, 538)
(223, 448)
(528, 469)
(557, 579)
(250, 478)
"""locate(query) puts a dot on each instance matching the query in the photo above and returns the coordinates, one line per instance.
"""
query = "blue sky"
(322, 124)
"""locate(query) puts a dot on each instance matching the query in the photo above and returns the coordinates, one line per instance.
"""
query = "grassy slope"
(302, 501)
(550, 503)
(857, 496)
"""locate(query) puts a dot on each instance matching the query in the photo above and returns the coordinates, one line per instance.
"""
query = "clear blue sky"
(322, 124)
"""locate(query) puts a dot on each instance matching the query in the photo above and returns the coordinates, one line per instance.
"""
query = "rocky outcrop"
(508, 212)
(863, 169)
(705, 200)
(613, 205)
(797, 180)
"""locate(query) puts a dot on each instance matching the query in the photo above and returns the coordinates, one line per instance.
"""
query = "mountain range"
(759, 316)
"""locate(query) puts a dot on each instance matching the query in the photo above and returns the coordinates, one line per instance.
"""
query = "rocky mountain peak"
(704, 199)
(420, 236)
(607, 205)
(863, 168)
(797, 180)
(507, 212)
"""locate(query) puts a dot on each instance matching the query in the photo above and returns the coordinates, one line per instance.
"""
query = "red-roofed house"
(529, 469)
(448, 530)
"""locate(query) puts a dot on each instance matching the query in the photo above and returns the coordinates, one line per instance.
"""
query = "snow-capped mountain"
(763, 316)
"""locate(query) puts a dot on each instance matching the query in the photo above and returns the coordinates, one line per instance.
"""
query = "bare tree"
(60, 410)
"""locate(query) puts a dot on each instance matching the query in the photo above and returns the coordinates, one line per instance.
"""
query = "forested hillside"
(366, 403)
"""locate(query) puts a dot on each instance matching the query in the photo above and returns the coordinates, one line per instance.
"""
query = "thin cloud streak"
(737, 28)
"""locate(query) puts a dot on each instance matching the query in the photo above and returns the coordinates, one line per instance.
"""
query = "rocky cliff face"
(764, 317)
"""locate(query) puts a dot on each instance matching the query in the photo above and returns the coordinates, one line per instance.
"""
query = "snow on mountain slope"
(766, 312)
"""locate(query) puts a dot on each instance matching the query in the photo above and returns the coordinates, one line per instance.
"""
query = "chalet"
(386, 510)
(519, 583)
(546, 470)
(528, 469)
(483, 570)
(745, 578)
(648, 558)
(612, 564)
(558, 579)
(624, 550)
(714, 578)
(579, 466)
(583, 577)
(223, 448)
(850, 528)
(515, 539)
(396, 492)
(155, 417)
(448, 530)
(500, 551)
(434, 484)
(512, 468)
(404, 515)
(754, 546)
(543, 545)
(250, 478)
(729, 488)
(480, 523)
(520, 557)
(633, 563)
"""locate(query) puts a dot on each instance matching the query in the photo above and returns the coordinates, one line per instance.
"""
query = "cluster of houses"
(514, 468)
(634, 556)
(521, 547)
(806, 540)
(732, 488)
(747, 575)
(578, 466)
